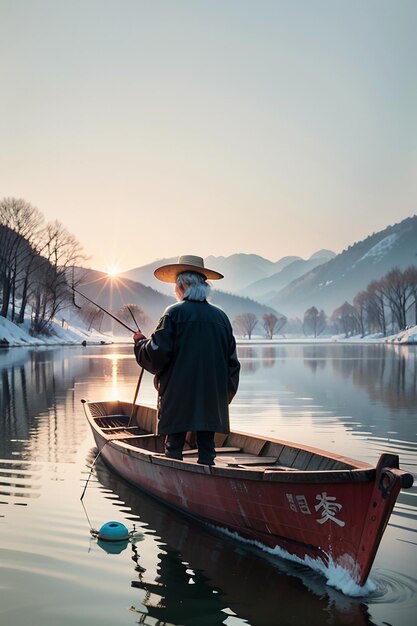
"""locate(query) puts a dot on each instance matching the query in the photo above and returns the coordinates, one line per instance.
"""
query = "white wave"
(336, 576)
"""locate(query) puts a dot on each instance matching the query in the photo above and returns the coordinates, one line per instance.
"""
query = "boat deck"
(229, 456)
(233, 450)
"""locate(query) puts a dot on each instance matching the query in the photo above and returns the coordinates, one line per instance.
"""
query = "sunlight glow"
(112, 271)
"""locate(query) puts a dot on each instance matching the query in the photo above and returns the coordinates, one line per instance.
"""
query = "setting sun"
(112, 271)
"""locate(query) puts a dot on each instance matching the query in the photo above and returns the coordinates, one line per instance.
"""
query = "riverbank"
(406, 337)
(13, 335)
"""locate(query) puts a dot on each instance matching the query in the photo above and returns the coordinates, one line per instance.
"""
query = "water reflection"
(34, 388)
(202, 577)
(249, 359)
(314, 357)
(388, 376)
(269, 356)
(387, 373)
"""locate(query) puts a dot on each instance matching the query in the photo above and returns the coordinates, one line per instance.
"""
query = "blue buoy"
(113, 531)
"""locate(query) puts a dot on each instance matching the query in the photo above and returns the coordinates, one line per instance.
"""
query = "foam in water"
(336, 576)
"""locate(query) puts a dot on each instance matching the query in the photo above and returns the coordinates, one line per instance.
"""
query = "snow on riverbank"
(405, 337)
(18, 335)
(13, 335)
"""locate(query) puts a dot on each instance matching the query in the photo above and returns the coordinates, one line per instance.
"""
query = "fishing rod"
(133, 318)
(108, 312)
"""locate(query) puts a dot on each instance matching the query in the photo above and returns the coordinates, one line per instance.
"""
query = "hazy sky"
(158, 128)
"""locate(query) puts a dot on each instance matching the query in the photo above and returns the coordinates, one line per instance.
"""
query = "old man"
(192, 353)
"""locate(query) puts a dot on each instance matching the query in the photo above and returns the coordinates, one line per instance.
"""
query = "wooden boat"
(211, 560)
(302, 501)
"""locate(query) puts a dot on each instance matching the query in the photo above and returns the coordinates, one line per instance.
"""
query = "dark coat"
(192, 352)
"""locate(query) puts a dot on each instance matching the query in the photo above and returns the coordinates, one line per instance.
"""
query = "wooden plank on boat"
(303, 459)
(288, 456)
(122, 436)
(321, 463)
(161, 459)
(218, 451)
(107, 428)
(249, 443)
(251, 472)
(250, 460)
(272, 448)
(219, 440)
(112, 419)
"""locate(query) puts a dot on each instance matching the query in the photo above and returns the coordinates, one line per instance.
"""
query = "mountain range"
(240, 271)
(113, 293)
(338, 280)
(289, 285)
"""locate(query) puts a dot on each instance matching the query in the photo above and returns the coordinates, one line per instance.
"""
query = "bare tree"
(51, 292)
(125, 314)
(244, 324)
(272, 324)
(321, 322)
(398, 293)
(20, 226)
(376, 307)
(361, 302)
(314, 321)
(91, 315)
(346, 319)
(411, 278)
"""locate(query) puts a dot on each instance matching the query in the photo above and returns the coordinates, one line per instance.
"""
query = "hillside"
(329, 285)
(233, 305)
(239, 270)
(144, 275)
(113, 293)
(266, 289)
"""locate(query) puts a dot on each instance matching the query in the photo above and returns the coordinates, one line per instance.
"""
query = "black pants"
(174, 444)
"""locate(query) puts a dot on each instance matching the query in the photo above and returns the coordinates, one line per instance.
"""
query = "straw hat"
(186, 263)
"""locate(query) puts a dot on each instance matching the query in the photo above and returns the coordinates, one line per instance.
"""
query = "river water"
(356, 400)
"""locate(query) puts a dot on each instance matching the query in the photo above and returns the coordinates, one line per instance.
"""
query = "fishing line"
(110, 531)
(93, 531)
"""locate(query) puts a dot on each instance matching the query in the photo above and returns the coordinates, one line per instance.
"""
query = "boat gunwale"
(358, 472)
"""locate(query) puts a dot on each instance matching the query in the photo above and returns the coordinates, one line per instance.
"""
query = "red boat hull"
(333, 516)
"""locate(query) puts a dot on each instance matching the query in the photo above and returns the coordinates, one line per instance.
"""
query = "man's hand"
(138, 336)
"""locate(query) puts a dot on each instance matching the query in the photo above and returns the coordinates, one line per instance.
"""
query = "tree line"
(36, 260)
(244, 324)
(386, 305)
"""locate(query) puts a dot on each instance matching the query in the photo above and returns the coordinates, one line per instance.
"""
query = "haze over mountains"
(240, 271)
(113, 293)
(289, 285)
(267, 288)
(331, 284)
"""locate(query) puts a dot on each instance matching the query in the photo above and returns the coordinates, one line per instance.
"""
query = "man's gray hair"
(193, 285)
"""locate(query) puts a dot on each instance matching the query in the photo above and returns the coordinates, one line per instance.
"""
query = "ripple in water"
(392, 588)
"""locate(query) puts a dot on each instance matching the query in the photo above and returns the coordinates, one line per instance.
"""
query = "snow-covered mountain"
(292, 284)
(329, 285)
(239, 270)
(266, 289)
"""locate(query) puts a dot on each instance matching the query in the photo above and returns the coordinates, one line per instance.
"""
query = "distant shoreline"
(13, 336)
